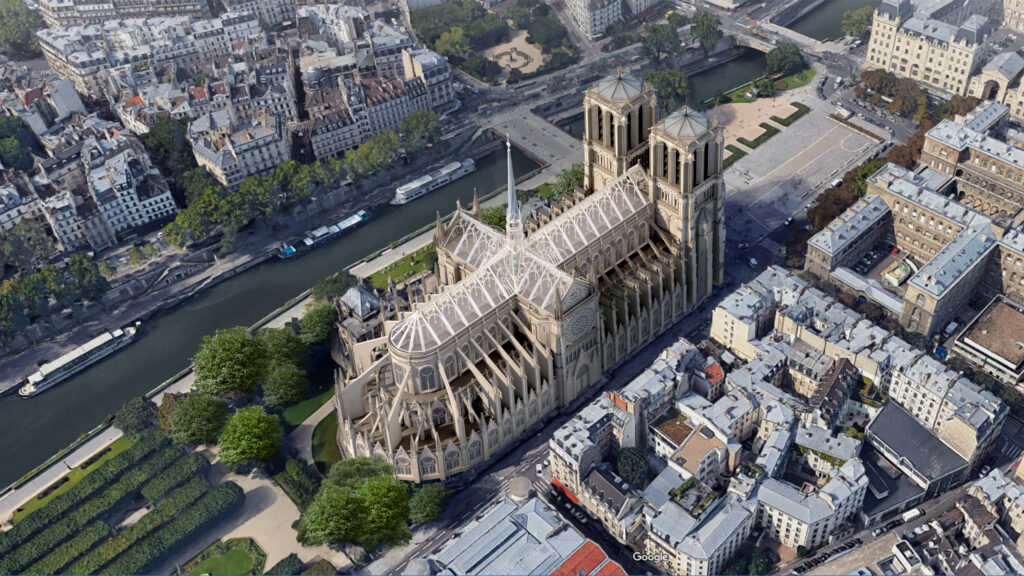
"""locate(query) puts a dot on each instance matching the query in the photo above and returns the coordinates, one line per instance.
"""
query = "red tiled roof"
(583, 561)
(134, 101)
(33, 95)
(197, 92)
(713, 373)
(610, 568)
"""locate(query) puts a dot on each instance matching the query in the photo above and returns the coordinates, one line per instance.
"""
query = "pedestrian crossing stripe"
(771, 246)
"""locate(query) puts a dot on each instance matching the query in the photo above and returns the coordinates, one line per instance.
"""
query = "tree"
(705, 28)
(856, 22)
(169, 148)
(784, 59)
(167, 406)
(18, 26)
(387, 503)
(673, 88)
(371, 156)
(230, 361)
(198, 418)
(420, 129)
(332, 287)
(520, 17)
(494, 216)
(318, 323)
(568, 181)
(352, 472)
(547, 31)
(25, 246)
(678, 20)
(759, 562)
(632, 466)
(13, 155)
(660, 39)
(427, 503)
(286, 384)
(284, 347)
(82, 277)
(336, 515)
(452, 43)
(138, 415)
(250, 436)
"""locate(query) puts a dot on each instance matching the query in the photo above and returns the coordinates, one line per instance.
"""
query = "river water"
(825, 21)
(35, 428)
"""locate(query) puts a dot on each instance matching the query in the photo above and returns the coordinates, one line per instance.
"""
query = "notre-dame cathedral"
(527, 319)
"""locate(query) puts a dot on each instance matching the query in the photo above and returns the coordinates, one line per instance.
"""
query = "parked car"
(540, 470)
(789, 221)
(743, 245)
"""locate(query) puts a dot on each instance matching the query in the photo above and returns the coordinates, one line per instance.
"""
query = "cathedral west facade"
(528, 319)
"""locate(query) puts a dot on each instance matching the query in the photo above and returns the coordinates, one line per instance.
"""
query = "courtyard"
(516, 53)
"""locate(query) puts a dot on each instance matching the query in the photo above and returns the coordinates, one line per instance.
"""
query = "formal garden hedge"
(115, 495)
(801, 110)
(735, 153)
(769, 131)
(88, 486)
(290, 564)
(174, 476)
(211, 508)
(298, 483)
(72, 549)
(181, 499)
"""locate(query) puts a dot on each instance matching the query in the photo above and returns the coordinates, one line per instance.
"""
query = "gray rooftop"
(686, 123)
(620, 88)
(918, 446)
(850, 225)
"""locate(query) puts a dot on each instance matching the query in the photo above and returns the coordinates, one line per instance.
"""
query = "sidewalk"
(14, 499)
(301, 438)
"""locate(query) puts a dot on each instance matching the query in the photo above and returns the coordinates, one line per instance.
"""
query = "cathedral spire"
(512, 211)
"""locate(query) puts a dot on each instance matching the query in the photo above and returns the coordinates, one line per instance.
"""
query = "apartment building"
(433, 71)
(18, 201)
(939, 55)
(798, 518)
(593, 17)
(273, 13)
(1013, 14)
(78, 12)
(85, 54)
(231, 151)
(847, 238)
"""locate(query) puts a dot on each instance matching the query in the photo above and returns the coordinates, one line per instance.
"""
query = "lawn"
(236, 556)
(325, 444)
(297, 413)
(798, 80)
(116, 447)
(416, 262)
(737, 95)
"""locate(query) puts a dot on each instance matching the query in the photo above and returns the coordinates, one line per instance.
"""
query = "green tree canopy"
(705, 28)
(660, 39)
(568, 181)
(632, 466)
(371, 156)
(284, 347)
(784, 59)
(673, 88)
(520, 17)
(336, 515)
(168, 146)
(420, 129)
(251, 435)
(18, 26)
(167, 405)
(136, 416)
(352, 472)
(452, 43)
(494, 216)
(198, 418)
(387, 503)
(427, 503)
(857, 21)
(332, 287)
(230, 361)
(26, 246)
(286, 384)
(547, 31)
(318, 323)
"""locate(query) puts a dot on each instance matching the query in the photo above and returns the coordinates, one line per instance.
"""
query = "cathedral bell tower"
(686, 175)
(618, 114)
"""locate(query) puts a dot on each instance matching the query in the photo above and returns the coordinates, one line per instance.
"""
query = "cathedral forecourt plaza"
(528, 319)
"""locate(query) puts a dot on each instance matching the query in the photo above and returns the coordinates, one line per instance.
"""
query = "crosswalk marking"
(772, 246)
